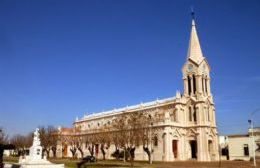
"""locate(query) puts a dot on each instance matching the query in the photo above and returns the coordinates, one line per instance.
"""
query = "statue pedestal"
(36, 152)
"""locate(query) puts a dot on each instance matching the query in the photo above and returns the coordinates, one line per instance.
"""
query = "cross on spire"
(192, 13)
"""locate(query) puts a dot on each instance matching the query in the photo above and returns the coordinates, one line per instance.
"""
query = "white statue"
(35, 160)
(36, 149)
(36, 138)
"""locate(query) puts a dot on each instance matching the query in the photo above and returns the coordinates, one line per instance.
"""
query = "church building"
(187, 126)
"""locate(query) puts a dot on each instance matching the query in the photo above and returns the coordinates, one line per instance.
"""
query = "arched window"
(194, 83)
(209, 114)
(194, 113)
(206, 88)
(202, 81)
(155, 140)
(189, 85)
(190, 114)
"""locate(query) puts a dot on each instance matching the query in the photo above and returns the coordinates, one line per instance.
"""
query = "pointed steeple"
(194, 51)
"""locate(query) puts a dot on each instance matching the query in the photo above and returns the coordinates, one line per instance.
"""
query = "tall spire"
(194, 51)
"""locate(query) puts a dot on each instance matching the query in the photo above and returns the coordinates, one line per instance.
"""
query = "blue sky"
(62, 59)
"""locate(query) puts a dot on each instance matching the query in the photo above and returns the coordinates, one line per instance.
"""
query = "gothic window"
(189, 85)
(194, 84)
(190, 114)
(202, 81)
(206, 89)
(208, 114)
(155, 141)
(194, 113)
(210, 146)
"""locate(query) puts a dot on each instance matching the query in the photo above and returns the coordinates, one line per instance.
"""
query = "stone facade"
(186, 128)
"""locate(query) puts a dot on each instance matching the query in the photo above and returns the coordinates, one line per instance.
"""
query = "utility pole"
(252, 139)
(252, 128)
(150, 139)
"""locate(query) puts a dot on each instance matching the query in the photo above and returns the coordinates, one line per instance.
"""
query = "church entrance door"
(65, 150)
(174, 148)
(193, 145)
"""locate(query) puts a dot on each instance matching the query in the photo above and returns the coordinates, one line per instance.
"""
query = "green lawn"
(101, 164)
(70, 163)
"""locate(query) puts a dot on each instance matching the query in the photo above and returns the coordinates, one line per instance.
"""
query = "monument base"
(34, 160)
(50, 165)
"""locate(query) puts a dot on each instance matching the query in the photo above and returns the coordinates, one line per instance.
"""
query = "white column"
(213, 117)
(203, 83)
(198, 114)
(202, 142)
(216, 148)
(199, 84)
(191, 83)
(164, 147)
(168, 154)
(181, 148)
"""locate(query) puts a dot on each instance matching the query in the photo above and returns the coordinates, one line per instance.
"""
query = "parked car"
(89, 159)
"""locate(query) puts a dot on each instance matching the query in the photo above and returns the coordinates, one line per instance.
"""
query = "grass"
(72, 163)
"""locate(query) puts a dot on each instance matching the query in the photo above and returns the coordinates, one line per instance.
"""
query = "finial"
(192, 16)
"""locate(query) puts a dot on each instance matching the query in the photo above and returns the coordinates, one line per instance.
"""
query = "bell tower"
(196, 70)
(200, 110)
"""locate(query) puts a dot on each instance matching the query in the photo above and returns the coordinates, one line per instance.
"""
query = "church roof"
(194, 51)
(127, 108)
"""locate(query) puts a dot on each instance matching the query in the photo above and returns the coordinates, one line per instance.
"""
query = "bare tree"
(104, 139)
(4, 144)
(79, 144)
(128, 129)
(132, 129)
(134, 135)
(148, 133)
(3, 137)
(53, 140)
(119, 135)
(22, 143)
(19, 142)
(72, 140)
(48, 136)
(91, 140)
